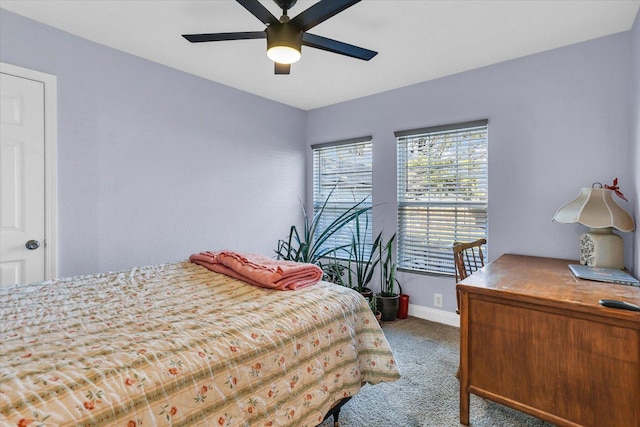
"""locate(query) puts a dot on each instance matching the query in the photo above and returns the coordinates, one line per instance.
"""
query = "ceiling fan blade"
(335, 46)
(259, 11)
(320, 12)
(216, 37)
(282, 68)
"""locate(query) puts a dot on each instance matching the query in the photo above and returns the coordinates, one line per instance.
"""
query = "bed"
(177, 344)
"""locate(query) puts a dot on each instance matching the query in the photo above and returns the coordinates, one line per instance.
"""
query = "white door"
(22, 180)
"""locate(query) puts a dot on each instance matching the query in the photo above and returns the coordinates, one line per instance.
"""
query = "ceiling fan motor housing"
(284, 35)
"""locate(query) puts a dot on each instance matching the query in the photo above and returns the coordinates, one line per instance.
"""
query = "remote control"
(623, 305)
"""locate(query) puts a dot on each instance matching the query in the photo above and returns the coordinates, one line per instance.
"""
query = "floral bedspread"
(177, 344)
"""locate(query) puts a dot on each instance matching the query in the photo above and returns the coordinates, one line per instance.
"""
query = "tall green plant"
(388, 269)
(362, 259)
(308, 247)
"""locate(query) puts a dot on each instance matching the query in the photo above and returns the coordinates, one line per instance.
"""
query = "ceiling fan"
(285, 36)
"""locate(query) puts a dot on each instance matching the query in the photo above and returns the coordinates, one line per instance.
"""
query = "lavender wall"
(635, 127)
(558, 121)
(155, 164)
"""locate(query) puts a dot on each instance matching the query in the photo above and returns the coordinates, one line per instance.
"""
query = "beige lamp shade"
(595, 208)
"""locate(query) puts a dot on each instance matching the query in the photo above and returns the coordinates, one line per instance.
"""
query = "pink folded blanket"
(260, 270)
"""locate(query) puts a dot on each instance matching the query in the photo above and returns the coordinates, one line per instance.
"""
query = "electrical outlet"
(437, 300)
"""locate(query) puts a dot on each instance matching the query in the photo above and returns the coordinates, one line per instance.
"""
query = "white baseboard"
(440, 316)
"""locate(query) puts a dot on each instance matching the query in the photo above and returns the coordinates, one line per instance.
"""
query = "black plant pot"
(388, 306)
(367, 293)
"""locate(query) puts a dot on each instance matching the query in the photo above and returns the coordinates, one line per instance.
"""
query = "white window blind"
(442, 193)
(344, 167)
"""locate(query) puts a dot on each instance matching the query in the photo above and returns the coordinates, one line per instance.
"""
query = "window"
(442, 193)
(347, 166)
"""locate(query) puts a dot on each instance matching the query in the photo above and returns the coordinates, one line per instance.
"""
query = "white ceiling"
(417, 40)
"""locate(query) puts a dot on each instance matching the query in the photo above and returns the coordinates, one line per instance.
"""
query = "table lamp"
(595, 208)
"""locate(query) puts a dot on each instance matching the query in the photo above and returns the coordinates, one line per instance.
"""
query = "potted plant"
(333, 271)
(373, 305)
(308, 247)
(387, 299)
(363, 258)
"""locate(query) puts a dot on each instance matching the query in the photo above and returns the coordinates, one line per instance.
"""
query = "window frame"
(427, 251)
(321, 189)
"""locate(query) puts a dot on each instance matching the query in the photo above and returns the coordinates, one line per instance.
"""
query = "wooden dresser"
(534, 338)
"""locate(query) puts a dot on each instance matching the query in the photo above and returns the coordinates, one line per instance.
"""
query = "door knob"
(32, 244)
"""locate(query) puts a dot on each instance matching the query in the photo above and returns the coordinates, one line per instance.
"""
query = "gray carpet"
(428, 393)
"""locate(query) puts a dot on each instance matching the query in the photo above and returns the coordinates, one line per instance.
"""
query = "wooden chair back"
(468, 258)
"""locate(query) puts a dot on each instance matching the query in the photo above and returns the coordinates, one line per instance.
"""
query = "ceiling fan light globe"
(283, 54)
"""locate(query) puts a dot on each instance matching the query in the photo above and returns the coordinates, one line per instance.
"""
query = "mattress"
(176, 344)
